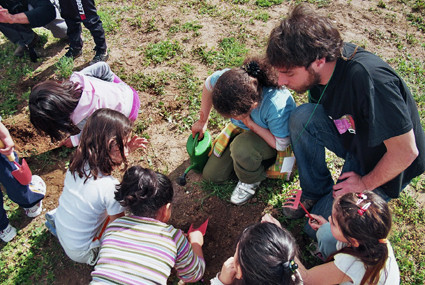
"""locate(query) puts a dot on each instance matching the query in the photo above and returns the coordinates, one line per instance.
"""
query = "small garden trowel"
(22, 173)
(202, 228)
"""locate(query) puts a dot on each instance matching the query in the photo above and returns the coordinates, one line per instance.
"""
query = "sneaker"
(299, 212)
(314, 250)
(100, 56)
(50, 222)
(37, 185)
(8, 233)
(243, 192)
(73, 53)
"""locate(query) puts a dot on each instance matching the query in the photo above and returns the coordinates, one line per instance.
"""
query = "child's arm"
(228, 271)
(320, 221)
(99, 70)
(137, 142)
(265, 134)
(196, 239)
(206, 105)
(324, 274)
(7, 141)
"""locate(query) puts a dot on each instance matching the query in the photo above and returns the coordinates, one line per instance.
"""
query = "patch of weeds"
(13, 71)
(411, 39)
(381, 4)
(110, 19)
(318, 3)
(27, 257)
(222, 190)
(64, 67)
(408, 238)
(185, 28)
(204, 7)
(262, 16)
(231, 53)
(267, 3)
(141, 125)
(152, 83)
(417, 21)
(240, 1)
(162, 51)
(150, 25)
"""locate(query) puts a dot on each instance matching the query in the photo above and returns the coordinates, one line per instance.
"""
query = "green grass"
(163, 51)
(175, 58)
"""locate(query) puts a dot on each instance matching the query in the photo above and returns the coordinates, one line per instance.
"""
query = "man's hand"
(352, 182)
(5, 16)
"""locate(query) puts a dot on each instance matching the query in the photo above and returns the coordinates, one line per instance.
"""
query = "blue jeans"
(20, 194)
(310, 136)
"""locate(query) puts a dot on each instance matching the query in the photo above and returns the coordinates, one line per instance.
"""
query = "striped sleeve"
(189, 267)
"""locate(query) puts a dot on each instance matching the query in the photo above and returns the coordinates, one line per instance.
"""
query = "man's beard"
(312, 80)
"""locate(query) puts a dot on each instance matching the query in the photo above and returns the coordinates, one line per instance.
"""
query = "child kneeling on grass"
(142, 248)
(360, 222)
(87, 202)
(60, 108)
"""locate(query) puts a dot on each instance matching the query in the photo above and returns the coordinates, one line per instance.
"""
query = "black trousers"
(87, 14)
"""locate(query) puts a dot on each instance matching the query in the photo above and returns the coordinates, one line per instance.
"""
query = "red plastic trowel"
(22, 173)
(202, 228)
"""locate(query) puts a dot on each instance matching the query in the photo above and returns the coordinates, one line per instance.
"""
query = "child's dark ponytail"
(144, 191)
(239, 88)
(266, 255)
(260, 69)
(366, 218)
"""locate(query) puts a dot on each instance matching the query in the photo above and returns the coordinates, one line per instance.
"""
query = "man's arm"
(401, 152)
(7, 18)
(42, 13)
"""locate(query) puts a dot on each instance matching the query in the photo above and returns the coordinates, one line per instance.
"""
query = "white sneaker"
(243, 192)
(8, 233)
(37, 185)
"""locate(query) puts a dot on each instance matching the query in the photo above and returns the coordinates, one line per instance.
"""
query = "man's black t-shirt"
(369, 103)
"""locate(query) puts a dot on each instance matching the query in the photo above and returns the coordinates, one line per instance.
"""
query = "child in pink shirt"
(62, 108)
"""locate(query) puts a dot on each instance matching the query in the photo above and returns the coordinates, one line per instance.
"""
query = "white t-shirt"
(355, 269)
(83, 208)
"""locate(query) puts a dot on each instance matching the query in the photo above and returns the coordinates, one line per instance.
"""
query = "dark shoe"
(73, 53)
(100, 56)
(20, 51)
(299, 212)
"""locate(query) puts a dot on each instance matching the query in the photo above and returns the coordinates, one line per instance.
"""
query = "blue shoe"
(50, 222)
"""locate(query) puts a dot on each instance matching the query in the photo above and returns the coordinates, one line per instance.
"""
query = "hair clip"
(383, 240)
(363, 209)
(290, 265)
(361, 197)
(252, 68)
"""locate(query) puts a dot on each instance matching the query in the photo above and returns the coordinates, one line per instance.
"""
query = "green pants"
(246, 156)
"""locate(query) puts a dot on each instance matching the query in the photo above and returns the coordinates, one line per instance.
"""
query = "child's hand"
(66, 142)
(228, 271)
(267, 218)
(137, 142)
(196, 237)
(320, 221)
(248, 122)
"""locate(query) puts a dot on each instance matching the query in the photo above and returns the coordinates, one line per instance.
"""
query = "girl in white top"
(361, 223)
(88, 195)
